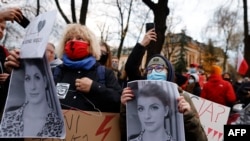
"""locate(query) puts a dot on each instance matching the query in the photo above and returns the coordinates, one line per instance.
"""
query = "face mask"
(192, 70)
(157, 75)
(103, 59)
(76, 50)
(115, 65)
(227, 79)
(190, 81)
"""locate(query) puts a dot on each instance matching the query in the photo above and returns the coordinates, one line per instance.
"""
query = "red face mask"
(76, 50)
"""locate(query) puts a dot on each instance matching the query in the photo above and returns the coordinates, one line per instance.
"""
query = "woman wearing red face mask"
(77, 79)
(79, 50)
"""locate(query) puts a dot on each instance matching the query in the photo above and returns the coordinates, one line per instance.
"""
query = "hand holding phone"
(24, 22)
(149, 26)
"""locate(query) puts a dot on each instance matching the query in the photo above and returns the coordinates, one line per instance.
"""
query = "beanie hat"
(193, 65)
(157, 61)
(216, 70)
(196, 77)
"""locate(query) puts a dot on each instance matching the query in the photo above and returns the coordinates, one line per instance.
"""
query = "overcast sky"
(195, 14)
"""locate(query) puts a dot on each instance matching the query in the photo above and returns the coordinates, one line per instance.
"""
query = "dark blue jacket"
(103, 97)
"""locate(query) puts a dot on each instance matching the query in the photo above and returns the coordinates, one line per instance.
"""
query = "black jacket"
(3, 87)
(193, 128)
(105, 98)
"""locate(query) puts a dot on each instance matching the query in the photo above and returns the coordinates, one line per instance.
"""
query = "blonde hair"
(83, 32)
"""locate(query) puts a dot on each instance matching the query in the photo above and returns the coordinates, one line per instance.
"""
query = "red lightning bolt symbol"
(102, 128)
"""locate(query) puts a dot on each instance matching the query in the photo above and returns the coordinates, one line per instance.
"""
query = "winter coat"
(193, 128)
(218, 90)
(101, 97)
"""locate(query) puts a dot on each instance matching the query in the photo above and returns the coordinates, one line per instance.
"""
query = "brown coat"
(192, 125)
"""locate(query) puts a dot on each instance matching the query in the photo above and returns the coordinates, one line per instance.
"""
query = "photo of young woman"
(153, 112)
(30, 109)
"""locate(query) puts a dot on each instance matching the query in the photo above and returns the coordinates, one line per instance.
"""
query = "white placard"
(213, 117)
(37, 35)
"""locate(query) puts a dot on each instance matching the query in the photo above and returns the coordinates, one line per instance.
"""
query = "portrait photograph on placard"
(32, 108)
(153, 112)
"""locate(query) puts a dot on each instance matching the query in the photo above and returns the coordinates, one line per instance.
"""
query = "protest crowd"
(96, 83)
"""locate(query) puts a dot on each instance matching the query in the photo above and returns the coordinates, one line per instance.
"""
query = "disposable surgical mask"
(190, 81)
(157, 75)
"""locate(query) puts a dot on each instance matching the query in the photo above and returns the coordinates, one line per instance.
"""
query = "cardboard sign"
(26, 95)
(213, 117)
(89, 126)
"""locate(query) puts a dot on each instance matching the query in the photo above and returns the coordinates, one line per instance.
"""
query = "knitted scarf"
(84, 64)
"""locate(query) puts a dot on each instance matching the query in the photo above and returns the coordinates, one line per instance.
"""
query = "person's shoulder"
(228, 84)
(103, 68)
(53, 117)
(13, 113)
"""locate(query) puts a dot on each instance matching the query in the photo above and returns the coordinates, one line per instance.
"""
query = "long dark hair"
(154, 90)
(41, 64)
(108, 63)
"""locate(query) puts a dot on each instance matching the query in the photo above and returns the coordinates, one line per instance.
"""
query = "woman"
(153, 109)
(193, 85)
(111, 62)
(159, 68)
(45, 122)
(106, 56)
(79, 49)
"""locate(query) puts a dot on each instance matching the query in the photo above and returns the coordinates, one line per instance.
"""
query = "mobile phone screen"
(149, 26)
(24, 22)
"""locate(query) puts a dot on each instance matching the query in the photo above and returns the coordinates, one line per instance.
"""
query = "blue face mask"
(157, 75)
(192, 70)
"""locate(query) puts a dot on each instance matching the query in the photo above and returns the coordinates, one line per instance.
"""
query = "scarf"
(84, 64)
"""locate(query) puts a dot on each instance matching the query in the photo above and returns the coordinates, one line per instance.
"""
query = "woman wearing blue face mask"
(159, 68)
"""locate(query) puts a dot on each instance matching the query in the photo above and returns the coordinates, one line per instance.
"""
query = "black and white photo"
(32, 108)
(153, 114)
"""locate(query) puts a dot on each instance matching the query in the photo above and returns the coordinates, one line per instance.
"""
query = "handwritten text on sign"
(89, 126)
(213, 117)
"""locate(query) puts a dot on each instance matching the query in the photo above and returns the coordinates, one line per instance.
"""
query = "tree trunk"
(246, 37)
(161, 12)
(84, 10)
(61, 12)
(38, 7)
(73, 11)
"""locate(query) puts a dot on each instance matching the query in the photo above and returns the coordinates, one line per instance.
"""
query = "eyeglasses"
(157, 68)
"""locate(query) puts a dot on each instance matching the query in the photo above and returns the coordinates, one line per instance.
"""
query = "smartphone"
(1, 68)
(24, 22)
(149, 26)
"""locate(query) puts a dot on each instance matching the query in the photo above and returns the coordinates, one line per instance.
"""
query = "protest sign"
(154, 110)
(37, 35)
(89, 126)
(213, 116)
(32, 107)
